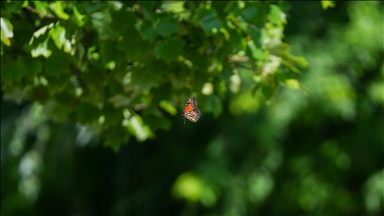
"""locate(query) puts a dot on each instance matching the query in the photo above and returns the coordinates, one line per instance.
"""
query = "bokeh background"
(314, 150)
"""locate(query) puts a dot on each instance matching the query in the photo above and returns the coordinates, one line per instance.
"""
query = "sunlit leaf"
(168, 107)
(42, 8)
(276, 16)
(58, 35)
(327, 4)
(78, 17)
(6, 31)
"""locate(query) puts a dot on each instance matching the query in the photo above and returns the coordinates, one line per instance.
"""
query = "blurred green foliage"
(279, 134)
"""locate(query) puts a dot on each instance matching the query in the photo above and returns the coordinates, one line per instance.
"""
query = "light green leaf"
(276, 16)
(42, 8)
(136, 127)
(57, 7)
(78, 17)
(292, 83)
(173, 6)
(6, 31)
(188, 186)
(327, 4)
(165, 105)
(41, 50)
(58, 35)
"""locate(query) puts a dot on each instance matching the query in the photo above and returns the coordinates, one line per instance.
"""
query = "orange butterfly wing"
(190, 110)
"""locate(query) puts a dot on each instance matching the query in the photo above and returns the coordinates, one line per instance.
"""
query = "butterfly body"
(190, 110)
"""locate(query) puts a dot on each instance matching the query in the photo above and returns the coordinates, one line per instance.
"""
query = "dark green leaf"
(255, 35)
(214, 105)
(169, 49)
(167, 26)
(208, 20)
(57, 63)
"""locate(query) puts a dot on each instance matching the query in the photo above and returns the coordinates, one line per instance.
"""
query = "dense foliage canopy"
(291, 96)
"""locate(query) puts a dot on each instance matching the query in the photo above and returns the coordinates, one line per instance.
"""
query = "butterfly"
(190, 110)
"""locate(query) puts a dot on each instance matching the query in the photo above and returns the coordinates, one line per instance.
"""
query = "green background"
(291, 97)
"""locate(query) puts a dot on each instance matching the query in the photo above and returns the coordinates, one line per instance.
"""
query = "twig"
(33, 10)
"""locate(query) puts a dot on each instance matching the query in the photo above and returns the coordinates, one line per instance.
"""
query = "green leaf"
(57, 63)
(39, 44)
(327, 4)
(58, 35)
(120, 100)
(132, 43)
(34, 67)
(276, 16)
(255, 88)
(198, 60)
(269, 86)
(157, 121)
(255, 35)
(173, 6)
(42, 8)
(137, 128)
(57, 83)
(41, 50)
(109, 52)
(148, 31)
(208, 20)
(167, 26)
(15, 93)
(14, 6)
(57, 7)
(113, 117)
(6, 31)
(115, 137)
(292, 84)
(169, 49)
(148, 77)
(94, 7)
(87, 112)
(168, 107)
(11, 70)
(254, 12)
(79, 18)
(148, 9)
(39, 93)
(214, 105)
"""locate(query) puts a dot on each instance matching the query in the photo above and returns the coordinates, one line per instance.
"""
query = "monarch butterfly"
(190, 110)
